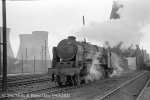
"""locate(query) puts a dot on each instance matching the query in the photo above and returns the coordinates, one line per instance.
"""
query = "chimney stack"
(40, 45)
(26, 47)
(114, 12)
(35, 44)
(9, 48)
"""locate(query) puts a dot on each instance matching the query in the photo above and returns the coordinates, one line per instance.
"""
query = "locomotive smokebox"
(67, 48)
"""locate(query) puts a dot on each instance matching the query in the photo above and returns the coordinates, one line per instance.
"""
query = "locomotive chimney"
(72, 38)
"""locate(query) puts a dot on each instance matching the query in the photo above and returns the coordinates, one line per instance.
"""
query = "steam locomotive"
(71, 60)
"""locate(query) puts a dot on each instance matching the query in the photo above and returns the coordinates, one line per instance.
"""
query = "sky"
(62, 18)
(59, 17)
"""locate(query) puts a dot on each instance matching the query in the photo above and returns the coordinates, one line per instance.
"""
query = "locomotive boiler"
(71, 60)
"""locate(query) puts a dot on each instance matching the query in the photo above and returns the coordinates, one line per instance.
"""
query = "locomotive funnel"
(72, 37)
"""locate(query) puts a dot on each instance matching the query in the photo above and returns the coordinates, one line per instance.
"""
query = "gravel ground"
(28, 88)
(85, 93)
(131, 91)
(91, 91)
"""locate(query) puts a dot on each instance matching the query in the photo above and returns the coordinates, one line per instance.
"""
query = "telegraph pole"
(22, 63)
(42, 55)
(34, 64)
(45, 55)
(26, 54)
(0, 54)
(4, 46)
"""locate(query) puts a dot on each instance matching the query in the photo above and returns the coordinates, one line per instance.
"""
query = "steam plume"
(134, 14)
(94, 71)
(116, 65)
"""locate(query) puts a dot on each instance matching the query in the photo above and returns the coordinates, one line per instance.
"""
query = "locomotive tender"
(71, 59)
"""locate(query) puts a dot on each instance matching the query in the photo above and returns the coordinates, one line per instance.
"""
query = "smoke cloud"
(136, 10)
(94, 70)
(134, 14)
(139, 11)
(116, 62)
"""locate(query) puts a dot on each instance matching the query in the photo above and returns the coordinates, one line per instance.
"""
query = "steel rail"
(70, 88)
(28, 81)
(48, 91)
(62, 89)
(22, 77)
(124, 84)
(141, 93)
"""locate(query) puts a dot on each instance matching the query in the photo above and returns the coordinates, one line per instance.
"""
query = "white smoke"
(135, 14)
(94, 70)
(136, 10)
(139, 11)
(116, 65)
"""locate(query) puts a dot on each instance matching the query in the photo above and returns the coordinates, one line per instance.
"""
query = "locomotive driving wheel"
(77, 79)
(59, 80)
(110, 72)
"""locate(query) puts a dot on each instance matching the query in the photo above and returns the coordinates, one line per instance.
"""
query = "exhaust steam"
(94, 70)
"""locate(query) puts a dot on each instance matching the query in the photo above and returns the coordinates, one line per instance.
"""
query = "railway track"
(28, 81)
(57, 90)
(12, 87)
(112, 92)
(54, 90)
(23, 77)
(142, 95)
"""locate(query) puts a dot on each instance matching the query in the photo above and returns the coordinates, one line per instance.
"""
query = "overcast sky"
(62, 18)
(59, 17)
